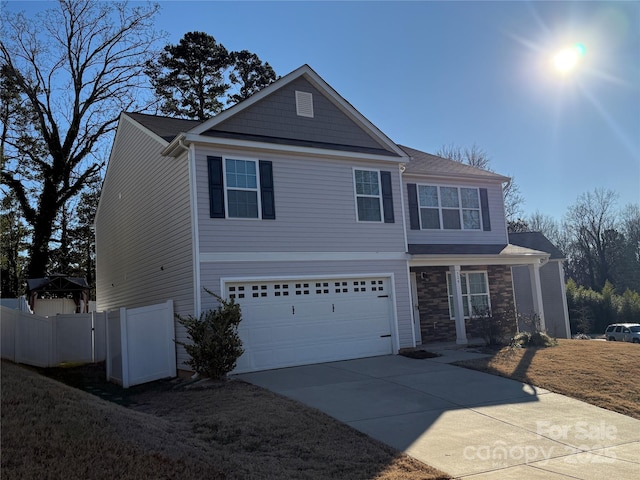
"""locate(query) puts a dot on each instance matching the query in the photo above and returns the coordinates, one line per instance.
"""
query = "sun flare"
(568, 58)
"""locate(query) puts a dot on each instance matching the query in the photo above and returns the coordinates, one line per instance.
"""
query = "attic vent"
(304, 104)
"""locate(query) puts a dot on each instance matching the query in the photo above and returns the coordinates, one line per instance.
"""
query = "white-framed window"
(242, 188)
(475, 294)
(368, 195)
(449, 208)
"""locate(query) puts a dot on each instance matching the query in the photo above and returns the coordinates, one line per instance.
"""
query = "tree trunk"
(42, 232)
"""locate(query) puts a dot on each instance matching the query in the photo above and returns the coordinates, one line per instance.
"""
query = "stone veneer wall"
(433, 301)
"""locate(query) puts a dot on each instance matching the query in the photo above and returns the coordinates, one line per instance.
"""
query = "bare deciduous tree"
(75, 68)
(592, 224)
(474, 155)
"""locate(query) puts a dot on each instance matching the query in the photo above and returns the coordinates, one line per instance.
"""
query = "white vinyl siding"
(315, 209)
(144, 252)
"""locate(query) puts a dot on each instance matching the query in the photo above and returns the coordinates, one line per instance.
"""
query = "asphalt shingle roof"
(165, 127)
(536, 241)
(422, 163)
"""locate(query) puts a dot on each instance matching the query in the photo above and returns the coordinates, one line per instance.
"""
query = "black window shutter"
(216, 187)
(266, 191)
(387, 197)
(414, 211)
(484, 205)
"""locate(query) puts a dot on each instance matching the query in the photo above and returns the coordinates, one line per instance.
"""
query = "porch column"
(461, 330)
(565, 307)
(536, 293)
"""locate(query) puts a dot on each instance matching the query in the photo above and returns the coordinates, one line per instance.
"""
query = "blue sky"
(435, 73)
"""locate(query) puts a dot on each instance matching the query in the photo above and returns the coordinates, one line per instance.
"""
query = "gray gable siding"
(497, 235)
(315, 210)
(143, 226)
(275, 117)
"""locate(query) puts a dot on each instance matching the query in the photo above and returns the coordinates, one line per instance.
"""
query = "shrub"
(215, 345)
(497, 328)
(533, 339)
(581, 336)
(530, 322)
(591, 311)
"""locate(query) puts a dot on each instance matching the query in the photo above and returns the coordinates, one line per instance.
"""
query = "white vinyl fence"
(50, 341)
(140, 344)
(137, 343)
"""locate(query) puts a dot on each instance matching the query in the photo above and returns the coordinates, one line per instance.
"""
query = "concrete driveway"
(469, 424)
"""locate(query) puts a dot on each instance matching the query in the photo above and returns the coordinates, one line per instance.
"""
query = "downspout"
(401, 169)
(193, 204)
(195, 231)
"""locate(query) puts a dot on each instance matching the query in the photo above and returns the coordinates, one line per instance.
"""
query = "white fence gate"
(137, 343)
(140, 344)
(50, 341)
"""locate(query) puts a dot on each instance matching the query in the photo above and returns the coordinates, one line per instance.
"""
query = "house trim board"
(453, 177)
(226, 257)
(447, 260)
(274, 147)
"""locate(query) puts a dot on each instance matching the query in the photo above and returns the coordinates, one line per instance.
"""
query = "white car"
(623, 332)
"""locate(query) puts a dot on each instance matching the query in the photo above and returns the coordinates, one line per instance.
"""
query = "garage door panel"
(311, 321)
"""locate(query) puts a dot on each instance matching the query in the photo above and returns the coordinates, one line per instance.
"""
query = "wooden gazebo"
(59, 286)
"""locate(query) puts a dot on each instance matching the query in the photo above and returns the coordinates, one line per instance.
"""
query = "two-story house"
(337, 242)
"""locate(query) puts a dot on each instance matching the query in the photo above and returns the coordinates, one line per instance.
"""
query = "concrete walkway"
(469, 424)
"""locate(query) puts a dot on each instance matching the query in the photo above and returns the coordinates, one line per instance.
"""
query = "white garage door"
(298, 322)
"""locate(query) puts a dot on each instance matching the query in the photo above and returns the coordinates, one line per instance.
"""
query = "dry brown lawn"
(600, 373)
(182, 430)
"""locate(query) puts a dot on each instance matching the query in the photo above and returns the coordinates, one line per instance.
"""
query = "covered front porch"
(457, 289)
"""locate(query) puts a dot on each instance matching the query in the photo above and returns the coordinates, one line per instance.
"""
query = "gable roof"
(380, 143)
(57, 283)
(536, 241)
(422, 163)
(174, 130)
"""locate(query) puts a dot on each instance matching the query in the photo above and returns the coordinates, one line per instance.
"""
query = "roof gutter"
(189, 138)
(494, 178)
(176, 147)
